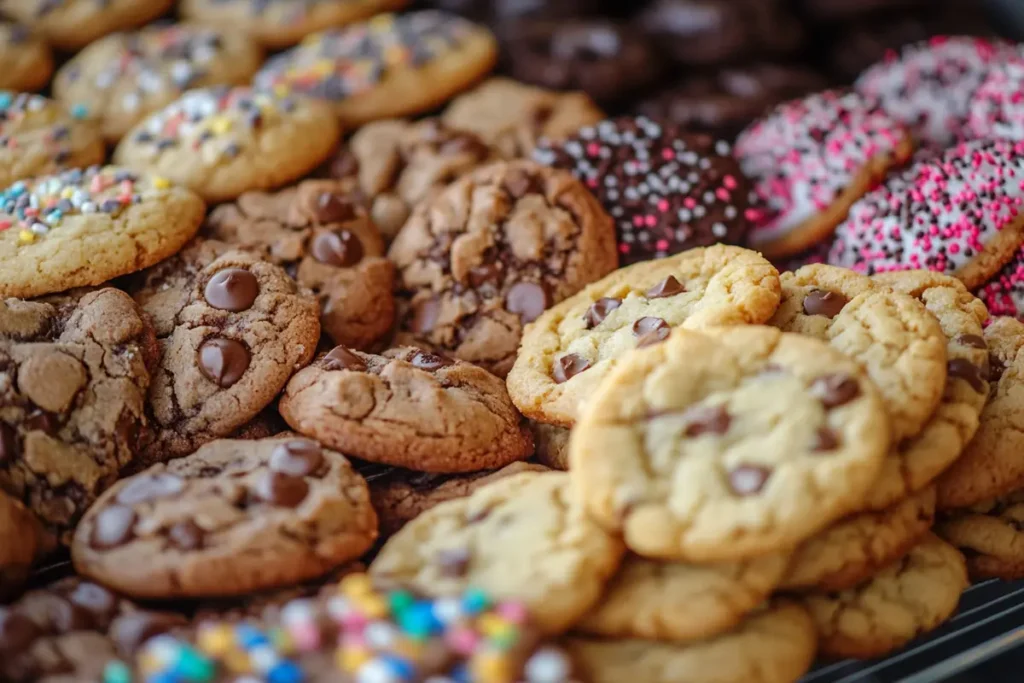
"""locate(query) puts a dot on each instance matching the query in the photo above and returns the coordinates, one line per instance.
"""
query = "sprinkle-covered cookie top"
(34, 122)
(286, 11)
(997, 107)
(1004, 293)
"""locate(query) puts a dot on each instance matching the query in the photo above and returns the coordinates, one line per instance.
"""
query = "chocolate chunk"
(8, 443)
(825, 439)
(996, 368)
(964, 369)
(223, 361)
(340, 358)
(599, 310)
(232, 289)
(298, 457)
(17, 632)
(282, 490)
(486, 273)
(835, 390)
(332, 208)
(131, 631)
(42, 421)
(974, 341)
(186, 535)
(568, 366)
(706, 420)
(150, 487)
(670, 286)
(425, 315)
(528, 300)
(100, 603)
(429, 361)
(747, 480)
(650, 330)
(113, 526)
(821, 302)
(454, 563)
(342, 248)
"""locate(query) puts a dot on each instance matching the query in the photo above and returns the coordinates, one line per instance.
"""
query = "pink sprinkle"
(462, 640)
(513, 612)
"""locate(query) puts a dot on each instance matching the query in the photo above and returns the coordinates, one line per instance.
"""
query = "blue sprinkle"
(399, 667)
(5, 99)
(79, 111)
(163, 677)
(285, 672)
(475, 601)
(249, 637)
(418, 620)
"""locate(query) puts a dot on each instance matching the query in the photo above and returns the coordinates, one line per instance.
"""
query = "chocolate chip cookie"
(990, 535)
(491, 252)
(19, 541)
(232, 329)
(408, 408)
(326, 241)
(572, 347)
(72, 24)
(26, 61)
(727, 443)
(552, 445)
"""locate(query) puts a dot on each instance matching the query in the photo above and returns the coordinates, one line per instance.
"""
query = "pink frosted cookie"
(997, 108)
(1004, 293)
(958, 214)
(929, 85)
(811, 159)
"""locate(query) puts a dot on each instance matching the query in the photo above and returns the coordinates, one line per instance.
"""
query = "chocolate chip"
(825, 439)
(17, 632)
(670, 286)
(650, 330)
(186, 535)
(454, 563)
(150, 487)
(342, 248)
(298, 457)
(42, 421)
(746, 480)
(835, 390)
(223, 361)
(486, 273)
(706, 420)
(996, 368)
(568, 366)
(131, 631)
(112, 527)
(964, 369)
(8, 443)
(282, 490)
(974, 341)
(232, 289)
(822, 302)
(332, 208)
(340, 358)
(429, 361)
(599, 310)
(528, 300)
(425, 315)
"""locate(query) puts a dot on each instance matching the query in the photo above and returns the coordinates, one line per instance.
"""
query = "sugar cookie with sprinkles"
(995, 110)
(84, 227)
(26, 61)
(959, 214)
(121, 79)
(1004, 292)
(929, 85)
(389, 66)
(73, 24)
(810, 159)
(37, 136)
(223, 142)
(667, 190)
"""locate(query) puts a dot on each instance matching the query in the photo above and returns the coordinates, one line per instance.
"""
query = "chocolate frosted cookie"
(19, 541)
(325, 240)
(72, 24)
(407, 408)
(295, 508)
(232, 329)
(26, 62)
(73, 380)
(491, 252)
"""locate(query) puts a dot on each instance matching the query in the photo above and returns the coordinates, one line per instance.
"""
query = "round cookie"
(389, 66)
(667, 190)
(511, 116)
(53, 228)
(490, 253)
(991, 537)
(855, 548)
(552, 445)
(232, 329)
(957, 213)
(72, 399)
(906, 599)
(811, 159)
(726, 443)
(295, 508)
(682, 602)
(26, 62)
(407, 408)
(123, 78)
(328, 244)
(775, 645)
(223, 142)
(73, 24)
(568, 351)
(38, 137)
(520, 538)
(19, 542)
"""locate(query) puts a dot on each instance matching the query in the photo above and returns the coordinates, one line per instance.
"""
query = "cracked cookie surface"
(990, 535)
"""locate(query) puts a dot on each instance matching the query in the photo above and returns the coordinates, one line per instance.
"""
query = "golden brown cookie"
(990, 535)
(72, 24)
(26, 62)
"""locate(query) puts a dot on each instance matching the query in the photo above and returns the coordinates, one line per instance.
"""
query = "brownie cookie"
(520, 538)
(26, 62)
(552, 445)
(73, 380)
(991, 537)
(391, 65)
(232, 329)
(572, 347)
(491, 252)
(667, 190)
(121, 79)
(73, 24)
(19, 542)
(53, 228)
(223, 142)
(407, 408)
(38, 137)
(811, 159)
(328, 244)
(511, 116)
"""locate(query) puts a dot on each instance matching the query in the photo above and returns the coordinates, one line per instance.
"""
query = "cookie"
(72, 399)
(326, 241)
(490, 253)
(552, 445)
(232, 329)
(811, 159)
(853, 550)
(265, 425)
(667, 190)
(26, 62)
(905, 600)
(991, 113)
(511, 116)
(73, 24)
(281, 23)
(568, 351)
(955, 214)
(1003, 293)
(407, 408)
(53, 227)
(701, 448)
(19, 541)
(681, 602)
(393, 165)
(389, 66)
(123, 78)
(223, 142)
(775, 645)
(990, 537)
(38, 137)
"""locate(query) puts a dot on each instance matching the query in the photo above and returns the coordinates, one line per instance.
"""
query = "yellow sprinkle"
(148, 663)
(26, 237)
(237, 661)
(220, 124)
(67, 193)
(350, 659)
(323, 68)
(215, 640)
(356, 584)
(382, 21)
(488, 667)
(281, 90)
(407, 649)
(161, 183)
(374, 606)
(491, 624)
